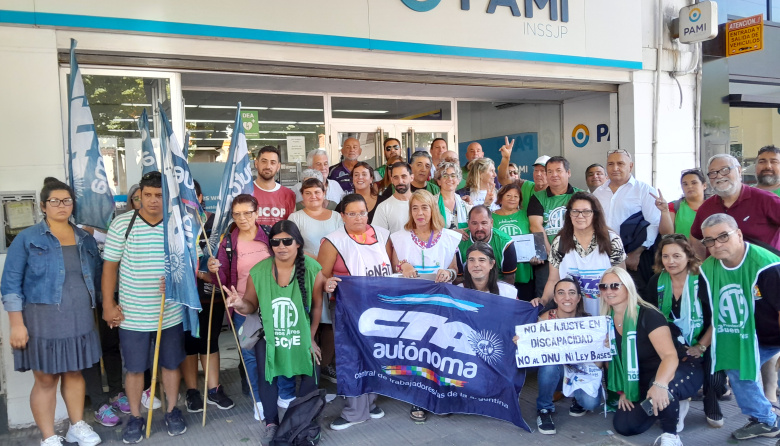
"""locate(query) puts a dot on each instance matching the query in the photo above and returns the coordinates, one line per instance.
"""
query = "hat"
(542, 160)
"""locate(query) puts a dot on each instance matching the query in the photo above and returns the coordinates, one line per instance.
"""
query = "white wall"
(592, 112)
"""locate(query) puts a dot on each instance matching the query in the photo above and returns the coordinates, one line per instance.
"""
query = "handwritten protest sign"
(565, 341)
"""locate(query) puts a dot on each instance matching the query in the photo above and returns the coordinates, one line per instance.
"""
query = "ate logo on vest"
(555, 219)
(732, 308)
(285, 313)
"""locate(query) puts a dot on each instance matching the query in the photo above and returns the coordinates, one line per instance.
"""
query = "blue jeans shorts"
(138, 348)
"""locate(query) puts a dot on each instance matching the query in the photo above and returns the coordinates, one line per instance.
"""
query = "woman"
(325, 203)
(454, 210)
(513, 220)
(584, 248)
(133, 198)
(643, 338)
(314, 220)
(677, 217)
(586, 388)
(295, 279)
(363, 182)
(352, 250)
(481, 272)
(675, 289)
(51, 275)
(480, 183)
(243, 248)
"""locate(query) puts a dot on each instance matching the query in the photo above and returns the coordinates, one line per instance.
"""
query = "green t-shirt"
(776, 191)
(554, 209)
(498, 241)
(515, 224)
(381, 170)
(683, 219)
(526, 190)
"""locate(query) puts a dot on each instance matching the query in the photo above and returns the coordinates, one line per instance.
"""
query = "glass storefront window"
(389, 109)
(752, 129)
(741, 8)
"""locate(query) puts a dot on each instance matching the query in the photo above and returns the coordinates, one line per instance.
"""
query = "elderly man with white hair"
(317, 159)
(757, 212)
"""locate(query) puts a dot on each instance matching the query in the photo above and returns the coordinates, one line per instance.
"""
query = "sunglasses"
(612, 286)
(393, 147)
(275, 242)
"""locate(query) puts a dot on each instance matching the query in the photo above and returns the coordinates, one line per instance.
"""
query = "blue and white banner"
(434, 345)
(236, 180)
(181, 227)
(148, 157)
(94, 199)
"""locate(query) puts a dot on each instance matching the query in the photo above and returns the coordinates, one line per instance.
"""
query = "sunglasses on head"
(611, 286)
(274, 242)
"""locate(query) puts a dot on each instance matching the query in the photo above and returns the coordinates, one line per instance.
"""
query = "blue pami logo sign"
(558, 9)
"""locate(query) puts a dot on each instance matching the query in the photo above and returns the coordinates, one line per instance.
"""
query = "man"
(473, 151)
(547, 208)
(742, 282)
(275, 202)
(421, 168)
(513, 172)
(595, 175)
(540, 173)
(392, 148)
(135, 249)
(768, 169)
(438, 149)
(481, 230)
(342, 172)
(393, 213)
(756, 211)
(628, 205)
(317, 159)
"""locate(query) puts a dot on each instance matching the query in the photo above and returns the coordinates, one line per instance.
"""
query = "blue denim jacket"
(34, 269)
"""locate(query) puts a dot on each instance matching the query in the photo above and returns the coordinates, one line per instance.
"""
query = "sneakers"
(106, 416)
(120, 403)
(54, 440)
(82, 434)
(684, 406)
(668, 440)
(376, 413)
(175, 422)
(134, 431)
(339, 424)
(145, 399)
(218, 398)
(576, 410)
(329, 373)
(755, 428)
(259, 415)
(544, 422)
(194, 401)
(268, 433)
(716, 423)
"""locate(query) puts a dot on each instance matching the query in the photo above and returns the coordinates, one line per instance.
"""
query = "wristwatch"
(701, 347)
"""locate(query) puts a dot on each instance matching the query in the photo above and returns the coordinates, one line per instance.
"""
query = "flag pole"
(154, 367)
(208, 352)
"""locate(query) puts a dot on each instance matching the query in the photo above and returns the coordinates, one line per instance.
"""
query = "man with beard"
(393, 213)
(481, 230)
(342, 172)
(768, 169)
(392, 149)
(756, 211)
(275, 202)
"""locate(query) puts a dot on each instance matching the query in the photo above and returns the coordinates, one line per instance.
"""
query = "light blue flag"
(181, 227)
(94, 200)
(148, 158)
(236, 180)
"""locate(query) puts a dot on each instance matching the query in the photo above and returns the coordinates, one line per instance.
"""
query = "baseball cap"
(542, 160)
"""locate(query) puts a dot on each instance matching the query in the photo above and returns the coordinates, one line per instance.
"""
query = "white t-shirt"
(391, 214)
(314, 230)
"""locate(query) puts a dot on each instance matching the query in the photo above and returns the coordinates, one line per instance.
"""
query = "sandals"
(418, 414)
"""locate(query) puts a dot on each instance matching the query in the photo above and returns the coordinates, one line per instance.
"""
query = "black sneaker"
(175, 422)
(755, 428)
(576, 410)
(218, 398)
(329, 373)
(268, 434)
(544, 422)
(134, 430)
(194, 401)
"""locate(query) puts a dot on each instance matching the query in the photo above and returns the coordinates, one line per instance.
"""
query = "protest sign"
(565, 341)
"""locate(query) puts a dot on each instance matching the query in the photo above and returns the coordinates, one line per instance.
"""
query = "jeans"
(286, 387)
(250, 362)
(550, 378)
(750, 394)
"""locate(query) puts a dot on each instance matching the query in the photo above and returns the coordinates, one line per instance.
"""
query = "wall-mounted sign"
(699, 22)
(249, 121)
(296, 149)
(745, 35)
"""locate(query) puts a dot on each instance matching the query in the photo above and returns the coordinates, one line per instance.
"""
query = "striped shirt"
(141, 264)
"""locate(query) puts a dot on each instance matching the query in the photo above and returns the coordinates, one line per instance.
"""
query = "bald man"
(342, 172)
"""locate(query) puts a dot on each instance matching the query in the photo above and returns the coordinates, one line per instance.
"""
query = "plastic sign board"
(699, 22)
(249, 121)
(745, 35)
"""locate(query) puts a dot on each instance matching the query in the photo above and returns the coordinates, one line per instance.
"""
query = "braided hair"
(300, 265)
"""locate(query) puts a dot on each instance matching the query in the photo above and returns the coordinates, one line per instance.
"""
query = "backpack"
(300, 425)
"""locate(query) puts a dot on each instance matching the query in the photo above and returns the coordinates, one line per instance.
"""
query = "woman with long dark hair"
(287, 285)
(363, 182)
(481, 272)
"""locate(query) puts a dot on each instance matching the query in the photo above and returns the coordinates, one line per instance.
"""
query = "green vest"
(683, 219)
(285, 319)
(515, 224)
(554, 210)
(732, 294)
(526, 190)
(498, 241)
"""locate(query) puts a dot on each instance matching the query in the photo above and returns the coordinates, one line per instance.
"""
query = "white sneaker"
(54, 440)
(145, 399)
(668, 440)
(283, 403)
(684, 406)
(82, 434)
(259, 415)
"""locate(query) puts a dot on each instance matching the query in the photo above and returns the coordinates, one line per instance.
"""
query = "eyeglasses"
(690, 171)
(137, 199)
(449, 176)
(624, 151)
(275, 242)
(244, 215)
(722, 238)
(150, 175)
(674, 237)
(393, 147)
(356, 214)
(512, 172)
(56, 202)
(612, 286)
(712, 174)
(583, 212)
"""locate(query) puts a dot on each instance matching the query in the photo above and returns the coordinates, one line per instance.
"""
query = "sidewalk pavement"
(238, 427)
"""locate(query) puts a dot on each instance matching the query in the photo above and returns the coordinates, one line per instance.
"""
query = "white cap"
(542, 160)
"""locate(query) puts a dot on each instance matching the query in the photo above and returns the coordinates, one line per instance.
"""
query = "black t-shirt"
(647, 321)
(652, 296)
(768, 306)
